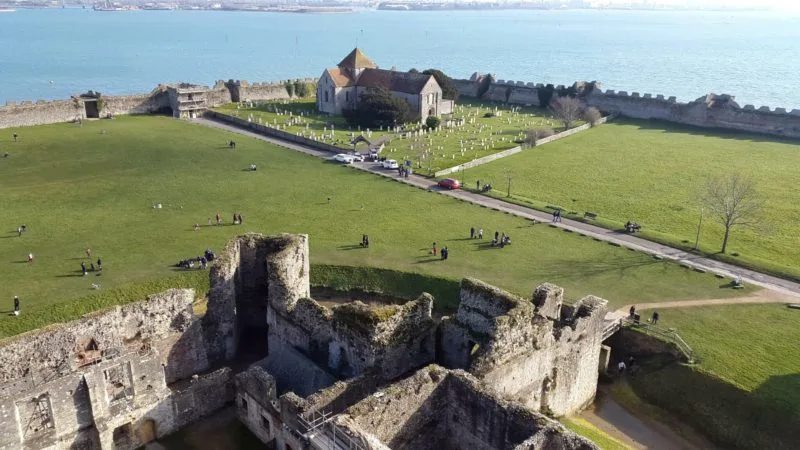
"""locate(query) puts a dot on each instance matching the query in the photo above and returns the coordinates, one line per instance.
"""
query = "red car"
(449, 183)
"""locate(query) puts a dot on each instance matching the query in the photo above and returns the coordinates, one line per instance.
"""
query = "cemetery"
(474, 130)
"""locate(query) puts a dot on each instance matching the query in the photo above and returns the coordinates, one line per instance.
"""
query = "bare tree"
(567, 109)
(733, 202)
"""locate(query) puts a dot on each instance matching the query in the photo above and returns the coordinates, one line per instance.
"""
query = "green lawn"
(653, 173)
(445, 147)
(746, 389)
(95, 186)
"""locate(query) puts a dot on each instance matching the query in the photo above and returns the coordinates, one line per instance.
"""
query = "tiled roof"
(409, 83)
(340, 77)
(357, 60)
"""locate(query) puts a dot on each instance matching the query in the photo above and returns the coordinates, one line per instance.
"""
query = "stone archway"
(147, 431)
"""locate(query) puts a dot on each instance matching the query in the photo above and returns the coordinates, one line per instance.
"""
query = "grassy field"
(446, 147)
(599, 437)
(652, 173)
(746, 390)
(95, 186)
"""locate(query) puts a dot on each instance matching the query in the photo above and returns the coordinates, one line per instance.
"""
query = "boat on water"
(2, 10)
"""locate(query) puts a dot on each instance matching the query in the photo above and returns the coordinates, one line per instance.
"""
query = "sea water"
(55, 53)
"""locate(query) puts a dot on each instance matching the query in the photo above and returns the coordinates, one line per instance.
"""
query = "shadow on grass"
(732, 417)
(428, 260)
(351, 247)
(71, 275)
(22, 261)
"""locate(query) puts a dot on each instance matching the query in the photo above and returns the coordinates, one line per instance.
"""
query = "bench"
(589, 215)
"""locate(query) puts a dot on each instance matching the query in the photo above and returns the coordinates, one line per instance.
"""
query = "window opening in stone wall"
(118, 382)
(122, 436)
(265, 425)
(88, 352)
(36, 416)
(326, 96)
(473, 349)
(243, 403)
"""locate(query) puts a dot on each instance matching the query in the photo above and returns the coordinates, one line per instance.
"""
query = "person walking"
(83, 268)
(19, 231)
(654, 318)
(478, 185)
(234, 219)
(88, 253)
(241, 220)
(15, 137)
(496, 235)
(30, 257)
(480, 233)
(446, 253)
(434, 249)
(99, 265)
(218, 219)
(632, 311)
(472, 233)
(16, 305)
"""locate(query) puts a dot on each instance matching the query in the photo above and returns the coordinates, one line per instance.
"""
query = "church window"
(326, 96)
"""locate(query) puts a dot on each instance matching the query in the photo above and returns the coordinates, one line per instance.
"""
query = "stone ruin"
(351, 376)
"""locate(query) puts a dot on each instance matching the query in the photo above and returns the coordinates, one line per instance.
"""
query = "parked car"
(449, 183)
(356, 156)
(390, 164)
(342, 158)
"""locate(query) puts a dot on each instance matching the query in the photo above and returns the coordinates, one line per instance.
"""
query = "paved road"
(785, 287)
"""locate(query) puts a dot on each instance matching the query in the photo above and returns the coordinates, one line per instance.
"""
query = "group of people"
(632, 227)
(444, 253)
(403, 171)
(91, 268)
(635, 317)
(364, 241)
(501, 240)
(21, 229)
(237, 220)
(557, 216)
(486, 187)
(199, 262)
(473, 234)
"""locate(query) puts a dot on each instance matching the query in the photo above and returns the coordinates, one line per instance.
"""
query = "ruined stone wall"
(155, 101)
(109, 380)
(219, 94)
(440, 409)
(255, 399)
(41, 112)
(539, 358)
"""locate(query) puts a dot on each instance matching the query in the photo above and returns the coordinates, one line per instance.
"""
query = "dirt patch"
(759, 297)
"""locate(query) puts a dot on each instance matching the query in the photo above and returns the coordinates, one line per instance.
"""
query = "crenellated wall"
(710, 111)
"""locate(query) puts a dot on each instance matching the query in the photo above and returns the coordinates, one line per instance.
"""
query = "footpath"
(693, 261)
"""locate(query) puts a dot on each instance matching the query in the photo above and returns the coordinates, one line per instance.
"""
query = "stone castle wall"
(711, 111)
(41, 112)
(545, 357)
(116, 379)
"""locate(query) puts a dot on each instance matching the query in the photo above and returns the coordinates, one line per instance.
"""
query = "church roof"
(357, 60)
(340, 77)
(409, 83)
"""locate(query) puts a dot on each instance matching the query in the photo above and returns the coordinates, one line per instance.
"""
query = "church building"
(340, 87)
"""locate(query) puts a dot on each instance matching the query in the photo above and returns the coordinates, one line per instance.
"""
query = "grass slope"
(94, 186)
(652, 173)
(746, 390)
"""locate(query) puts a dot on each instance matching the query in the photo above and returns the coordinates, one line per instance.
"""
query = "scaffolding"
(322, 433)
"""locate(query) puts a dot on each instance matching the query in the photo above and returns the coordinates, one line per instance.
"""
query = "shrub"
(592, 116)
(532, 137)
(433, 122)
(489, 114)
(376, 108)
(545, 94)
